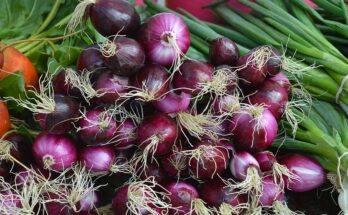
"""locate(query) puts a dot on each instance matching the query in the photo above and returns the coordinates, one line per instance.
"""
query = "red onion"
(282, 80)
(273, 96)
(151, 83)
(124, 56)
(61, 87)
(154, 170)
(175, 163)
(266, 159)
(4, 170)
(24, 176)
(97, 159)
(223, 51)
(125, 135)
(20, 146)
(310, 174)
(226, 104)
(54, 151)
(10, 203)
(111, 86)
(97, 127)
(90, 59)
(192, 74)
(165, 38)
(271, 192)
(173, 102)
(254, 129)
(274, 62)
(60, 120)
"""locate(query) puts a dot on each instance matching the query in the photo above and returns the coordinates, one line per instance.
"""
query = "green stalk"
(199, 44)
(328, 6)
(50, 16)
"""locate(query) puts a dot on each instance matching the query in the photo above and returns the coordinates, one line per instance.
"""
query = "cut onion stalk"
(142, 197)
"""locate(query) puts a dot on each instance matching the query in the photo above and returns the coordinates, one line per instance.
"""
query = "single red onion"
(192, 74)
(254, 129)
(175, 163)
(4, 170)
(154, 170)
(20, 146)
(273, 96)
(24, 176)
(97, 127)
(275, 62)
(125, 134)
(266, 160)
(90, 59)
(152, 82)
(112, 85)
(310, 175)
(165, 38)
(283, 81)
(241, 162)
(97, 159)
(271, 192)
(173, 102)
(208, 160)
(61, 87)
(54, 151)
(157, 134)
(126, 56)
(226, 104)
(88, 202)
(223, 51)
(61, 119)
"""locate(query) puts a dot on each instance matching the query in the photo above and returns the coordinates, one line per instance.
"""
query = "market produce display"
(111, 108)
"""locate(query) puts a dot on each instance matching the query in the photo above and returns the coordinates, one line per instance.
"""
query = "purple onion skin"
(273, 96)
(224, 103)
(97, 159)
(223, 51)
(61, 120)
(94, 134)
(60, 148)
(153, 169)
(163, 127)
(125, 135)
(23, 174)
(112, 85)
(60, 87)
(173, 102)
(211, 165)
(275, 62)
(283, 81)
(170, 169)
(192, 73)
(271, 192)
(181, 196)
(10, 202)
(90, 59)
(20, 147)
(311, 175)
(250, 76)
(111, 17)
(248, 135)
(154, 77)
(266, 159)
(215, 192)
(154, 38)
(241, 162)
(129, 57)
(88, 202)
(4, 170)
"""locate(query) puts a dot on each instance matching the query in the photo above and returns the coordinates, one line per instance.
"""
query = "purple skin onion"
(97, 159)
(112, 85)
(165, 38)
(112, 17)
(158, 132)
(310, 175)
(226, 104)
(153, 169)
(97, 128)
(175, 163)
(60, 87)
(129, 57)
(54, 151)
(275, 62)
(223, 51)
(273, 96)
(22, 175)
(62, 118)
(254, 131)
(4, 170)
(241, 162)
(266, 159)
(192, 74)
(125, 135)
(90, 59)
(181, 196)
(173, 102)
(283, 81)
(10, 203)
(21, 145)
(271, 192)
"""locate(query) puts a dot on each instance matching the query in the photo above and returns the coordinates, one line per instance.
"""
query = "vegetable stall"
(115, 107)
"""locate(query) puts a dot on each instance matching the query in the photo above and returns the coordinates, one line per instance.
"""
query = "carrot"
(5, 123)
(12, 60)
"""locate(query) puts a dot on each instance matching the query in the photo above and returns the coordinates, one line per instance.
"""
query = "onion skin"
(161, 126)
(212, 163)
(88, 202)
(182, 195)
(275, 62)
(266, 159)
(240, 163)
(11, 202)
(112, 85)
(60, 87)
(92, 133)
(173, 102)
(282, 80)
(153, 37)
(4, 170)
(21, 145)
(153, 169)
(23, 174)
(309, 172)
(97, 159)
(154, 77)
(247, 135)
(57, 146)
(114, 17)
(191, 74)
(90, 59)
(225, 104)
(170, 169)
(223, 51)
(271, 192)
(61, 120)
(125, 135)
(273, 96)
(129, 57)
